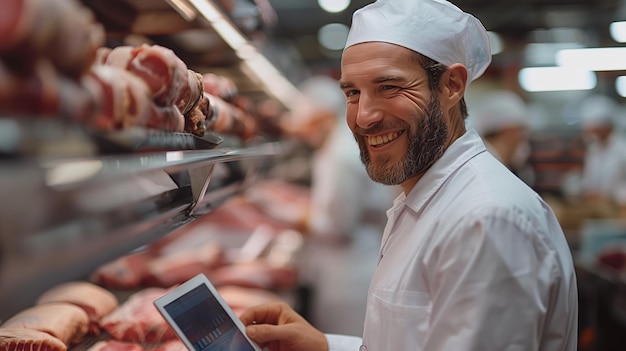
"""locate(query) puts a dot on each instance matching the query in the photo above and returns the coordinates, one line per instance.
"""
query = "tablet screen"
(205, 323)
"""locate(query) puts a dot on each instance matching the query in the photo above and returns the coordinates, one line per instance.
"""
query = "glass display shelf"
(61, 218)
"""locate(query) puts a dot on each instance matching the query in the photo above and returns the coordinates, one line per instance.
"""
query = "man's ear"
(452, 85)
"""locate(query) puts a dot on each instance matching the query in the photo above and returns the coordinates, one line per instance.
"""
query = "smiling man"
(471, 258)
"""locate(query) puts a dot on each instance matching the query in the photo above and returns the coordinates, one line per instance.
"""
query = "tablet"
(201, 318)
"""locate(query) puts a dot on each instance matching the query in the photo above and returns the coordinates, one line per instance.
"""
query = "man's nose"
(369, 112)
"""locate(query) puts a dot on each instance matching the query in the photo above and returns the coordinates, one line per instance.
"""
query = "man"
(502, 120)
(604, 168)
(344, 198)
(471, 258)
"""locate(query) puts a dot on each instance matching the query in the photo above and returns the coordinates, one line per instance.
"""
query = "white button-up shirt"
(471, 259)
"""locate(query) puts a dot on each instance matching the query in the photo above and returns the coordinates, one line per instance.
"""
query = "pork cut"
(255, 274)
(165, 74)
(172, 345)
(63, 31)
(124, 99)
(94, 300)
(20, 339)
(195, 120)
(114, 345)
(126, 272)
(240, 298)
(64, 321)
(191, 93)
(137, 320)
(182, 265)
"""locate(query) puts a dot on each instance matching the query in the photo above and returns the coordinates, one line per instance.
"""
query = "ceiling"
(299, 20)
(290, 41)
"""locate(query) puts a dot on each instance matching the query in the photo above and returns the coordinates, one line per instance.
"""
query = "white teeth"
(379, 140)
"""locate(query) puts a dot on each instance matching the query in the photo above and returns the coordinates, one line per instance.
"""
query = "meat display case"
(61, 218)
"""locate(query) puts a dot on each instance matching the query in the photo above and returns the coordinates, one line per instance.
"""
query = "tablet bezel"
(185, 288)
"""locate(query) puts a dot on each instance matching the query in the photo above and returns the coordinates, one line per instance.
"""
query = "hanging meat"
(175, 90)
(227, 116)
(63, 31)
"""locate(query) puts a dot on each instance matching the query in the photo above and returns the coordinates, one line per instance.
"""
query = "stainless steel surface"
(62, 218)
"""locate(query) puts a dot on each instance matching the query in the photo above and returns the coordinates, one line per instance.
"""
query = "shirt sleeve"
(338, 342)
(491, 279)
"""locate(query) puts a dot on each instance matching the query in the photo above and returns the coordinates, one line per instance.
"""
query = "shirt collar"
(462, 150)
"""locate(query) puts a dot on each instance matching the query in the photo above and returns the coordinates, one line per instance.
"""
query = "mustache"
(379, 127)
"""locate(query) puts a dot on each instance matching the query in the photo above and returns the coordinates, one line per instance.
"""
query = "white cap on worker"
(434, 28)
(499, 110)
(597, 110)
(324, 92)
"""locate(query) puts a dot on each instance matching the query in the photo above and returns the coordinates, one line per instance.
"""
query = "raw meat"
(114, 345)
(20, 339)
(191, 93)
(183, 264)
(240, 298)
(124, 98)
(220, 86)
(64, 321)
(94, 300)
(137, 320)
(284, 201)
(195, 120)
(63, 31)
(165, 118)
(123, 273)
(255, 274)
(165, 74)
(172, 345)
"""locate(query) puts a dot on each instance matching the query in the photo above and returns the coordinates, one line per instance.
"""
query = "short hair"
(435, 70)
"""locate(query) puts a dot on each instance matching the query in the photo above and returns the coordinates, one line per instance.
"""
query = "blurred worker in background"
(471, 258)
(604, 168)
(344, 198)
(502, 120)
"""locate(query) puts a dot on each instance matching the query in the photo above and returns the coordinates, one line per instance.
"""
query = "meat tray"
(36, 137)
(136, 140)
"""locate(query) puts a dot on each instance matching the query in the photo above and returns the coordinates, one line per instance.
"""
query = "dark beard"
(426, 146)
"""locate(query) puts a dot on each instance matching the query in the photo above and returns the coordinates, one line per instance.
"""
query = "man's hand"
(279, 328)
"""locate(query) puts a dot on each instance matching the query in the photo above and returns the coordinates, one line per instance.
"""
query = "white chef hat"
(597, 110)
(499, 110)
(324, 92)
(434, 28)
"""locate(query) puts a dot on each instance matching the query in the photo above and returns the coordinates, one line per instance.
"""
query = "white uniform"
(342, 192)
(471, 259)
(604, 170)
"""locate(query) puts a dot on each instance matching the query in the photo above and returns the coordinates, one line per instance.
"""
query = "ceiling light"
(618, 31)
(537, 79)
(184, 9)
(620, 85)
(544, 54)
(253, 63)
(594, 59)
(333, 36)
(333, 6)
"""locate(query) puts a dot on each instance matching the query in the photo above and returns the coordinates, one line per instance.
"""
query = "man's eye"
(388, 87)
(351, 92)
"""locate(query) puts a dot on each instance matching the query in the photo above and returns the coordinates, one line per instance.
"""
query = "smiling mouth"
(380, 140)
